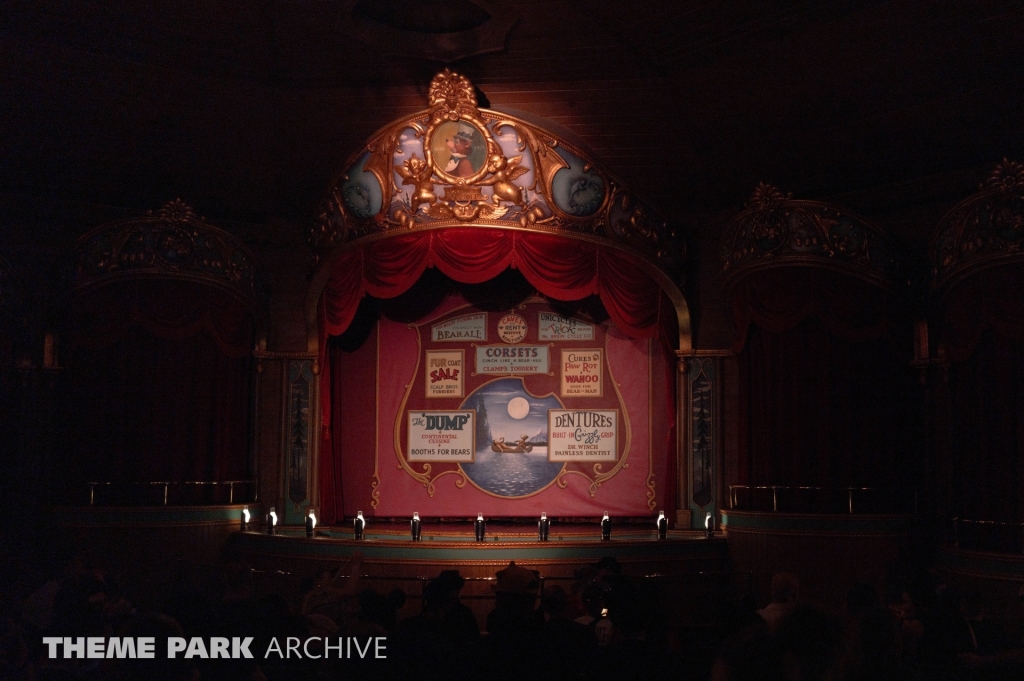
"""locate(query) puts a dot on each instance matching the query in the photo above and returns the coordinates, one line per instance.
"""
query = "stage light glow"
(606, 527)
(246, 517)
(662, 525)
(543, 527)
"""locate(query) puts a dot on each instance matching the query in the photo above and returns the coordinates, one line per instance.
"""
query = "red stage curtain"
(561, 268)
(778, 300)
(558, 267)
(817, 410)
(988, 430)
(160, 378)
(983, 335)
(147, 408)
(990, 300)
(347, 477)
(173, 310)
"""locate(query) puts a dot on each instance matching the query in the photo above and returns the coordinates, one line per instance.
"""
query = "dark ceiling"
(246, 108)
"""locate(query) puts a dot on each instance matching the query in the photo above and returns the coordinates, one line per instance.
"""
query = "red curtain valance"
(168, 309)
(558, 267)
(779, 300)
(990, 300)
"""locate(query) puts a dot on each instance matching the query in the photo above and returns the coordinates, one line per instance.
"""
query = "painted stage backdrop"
(507, 414)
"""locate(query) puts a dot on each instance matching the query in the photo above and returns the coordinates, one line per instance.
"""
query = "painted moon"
(518, 408)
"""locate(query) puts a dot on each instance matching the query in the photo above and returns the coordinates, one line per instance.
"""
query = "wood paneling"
(828, 554)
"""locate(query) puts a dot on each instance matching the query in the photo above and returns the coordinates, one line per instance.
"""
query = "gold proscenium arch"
(456, 165)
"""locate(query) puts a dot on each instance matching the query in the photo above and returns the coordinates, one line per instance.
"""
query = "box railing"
(988, 535)
(173, 493)
(817, 499)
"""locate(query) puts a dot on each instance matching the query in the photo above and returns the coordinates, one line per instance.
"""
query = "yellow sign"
(445, 372)
(582, 372)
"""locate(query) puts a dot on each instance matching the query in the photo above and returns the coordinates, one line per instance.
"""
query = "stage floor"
(389, 549)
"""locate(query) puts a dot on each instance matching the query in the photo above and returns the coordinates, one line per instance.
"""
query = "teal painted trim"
(1009, 565)
(466, 538)
(328, 548)
(148, 516)
(834, 524)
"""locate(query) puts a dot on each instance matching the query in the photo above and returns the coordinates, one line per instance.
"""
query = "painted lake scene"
(511, 439)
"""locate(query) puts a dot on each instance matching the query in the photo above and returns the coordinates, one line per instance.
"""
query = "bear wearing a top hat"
(461, 146)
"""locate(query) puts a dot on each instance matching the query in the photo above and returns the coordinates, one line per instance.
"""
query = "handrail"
(733, 500)
(958, 522)
(167, 484)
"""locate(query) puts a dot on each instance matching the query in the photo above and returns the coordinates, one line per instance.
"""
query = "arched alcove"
(825, 391)
(978, 275)
(826, 402)
(164, 315)
(482, 202)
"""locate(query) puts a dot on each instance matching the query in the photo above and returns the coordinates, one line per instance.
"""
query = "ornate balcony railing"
(172, 493)
(987, 535)
(813, 499)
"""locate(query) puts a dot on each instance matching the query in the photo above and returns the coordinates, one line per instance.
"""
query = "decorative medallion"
(512, 328)
(578, 190)
(361, 191)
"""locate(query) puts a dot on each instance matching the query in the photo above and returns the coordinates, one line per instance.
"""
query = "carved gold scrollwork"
(775, 230)
(170, 242)
(984, 230)
(451, 97)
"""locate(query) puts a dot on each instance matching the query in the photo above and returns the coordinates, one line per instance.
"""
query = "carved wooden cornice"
(170, 243)
(774, 230)
(454, 164)
(984, 230)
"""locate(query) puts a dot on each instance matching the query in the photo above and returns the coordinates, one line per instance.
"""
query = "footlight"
(480, 526)
(358, 525)
(416, 526)
(246, 517)
(543, 527)
(709, 526)
(662, 525)
(271, 521)
(310, 522)
(606, 527)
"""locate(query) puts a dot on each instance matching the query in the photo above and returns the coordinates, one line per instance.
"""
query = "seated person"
(785, 593)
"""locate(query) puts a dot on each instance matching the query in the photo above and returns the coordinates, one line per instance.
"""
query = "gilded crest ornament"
(776, 230)
(171, 242)
(982, 231)
(456, 164)
(451, 97)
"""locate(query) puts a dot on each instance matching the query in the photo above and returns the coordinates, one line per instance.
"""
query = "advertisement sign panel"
(583, 434)
(442, 435)
(512, 359)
